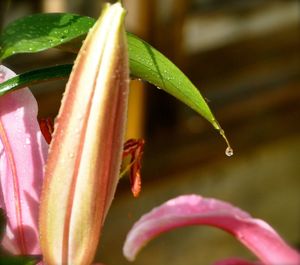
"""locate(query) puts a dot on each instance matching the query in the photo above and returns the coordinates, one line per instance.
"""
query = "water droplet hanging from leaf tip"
(229, 151)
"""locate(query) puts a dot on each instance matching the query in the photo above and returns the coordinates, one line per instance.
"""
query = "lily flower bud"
(86, 150)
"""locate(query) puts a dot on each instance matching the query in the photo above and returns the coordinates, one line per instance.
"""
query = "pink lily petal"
(23, 153)
(236, 261)
(186, 210)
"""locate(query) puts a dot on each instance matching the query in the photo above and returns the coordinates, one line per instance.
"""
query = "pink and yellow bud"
(86, 150)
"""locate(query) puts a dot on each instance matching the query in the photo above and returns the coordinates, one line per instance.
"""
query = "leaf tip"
(229, 150)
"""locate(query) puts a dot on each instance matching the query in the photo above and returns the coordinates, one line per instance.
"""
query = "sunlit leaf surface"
(66, 31)
(42, 31)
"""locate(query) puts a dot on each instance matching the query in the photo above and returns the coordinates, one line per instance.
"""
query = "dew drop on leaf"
(229, 151)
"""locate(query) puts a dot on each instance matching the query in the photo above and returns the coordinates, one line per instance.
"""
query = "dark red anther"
(135, 148)
(46, 126)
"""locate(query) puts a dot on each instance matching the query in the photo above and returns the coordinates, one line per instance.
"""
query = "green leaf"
(42, 31)
(18, 260)
(66, 31)
(149, 64)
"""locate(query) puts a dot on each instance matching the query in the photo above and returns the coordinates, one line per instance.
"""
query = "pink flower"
(85, 155)
(186, 210)
(23, 152)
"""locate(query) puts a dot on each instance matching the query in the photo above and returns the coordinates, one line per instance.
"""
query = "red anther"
(135, 148)
(46, 126)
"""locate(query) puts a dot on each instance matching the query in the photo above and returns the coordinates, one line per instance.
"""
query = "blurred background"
(244, 56)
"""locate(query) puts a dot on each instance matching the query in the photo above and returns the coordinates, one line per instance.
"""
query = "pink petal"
(186, 210)
(23, 153)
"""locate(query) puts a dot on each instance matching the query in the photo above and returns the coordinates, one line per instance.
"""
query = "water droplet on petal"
(27, 141)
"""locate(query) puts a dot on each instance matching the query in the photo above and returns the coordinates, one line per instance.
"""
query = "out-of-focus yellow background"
(244, 56)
